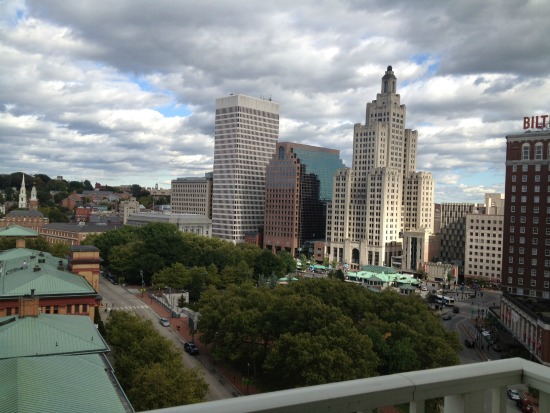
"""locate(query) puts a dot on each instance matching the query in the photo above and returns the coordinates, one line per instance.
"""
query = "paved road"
(117, 297)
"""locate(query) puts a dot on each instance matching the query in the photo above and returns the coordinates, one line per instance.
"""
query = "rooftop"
(79, 383)
(49, 334)
(17, 231)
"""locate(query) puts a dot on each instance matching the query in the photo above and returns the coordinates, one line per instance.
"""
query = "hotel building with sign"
(525, 305)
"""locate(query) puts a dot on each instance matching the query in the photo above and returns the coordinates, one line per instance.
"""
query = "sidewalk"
(181, 327)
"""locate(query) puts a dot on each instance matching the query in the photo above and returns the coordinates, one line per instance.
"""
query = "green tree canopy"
(320, 330)
(148, 366)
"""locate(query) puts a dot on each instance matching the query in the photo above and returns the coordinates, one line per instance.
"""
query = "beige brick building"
(192, 196)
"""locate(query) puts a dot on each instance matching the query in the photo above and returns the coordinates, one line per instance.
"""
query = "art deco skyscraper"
(381, 195)
(246, 133)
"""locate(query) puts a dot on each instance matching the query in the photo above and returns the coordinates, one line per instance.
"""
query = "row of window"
(539, 148)
(521, 271)
(533, 283)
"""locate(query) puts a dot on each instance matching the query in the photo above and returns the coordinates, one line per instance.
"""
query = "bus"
(442, 299)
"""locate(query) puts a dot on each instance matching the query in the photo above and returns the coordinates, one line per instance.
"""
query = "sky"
(123, 92)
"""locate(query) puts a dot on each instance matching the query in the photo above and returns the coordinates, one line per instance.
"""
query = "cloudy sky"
(123, 92)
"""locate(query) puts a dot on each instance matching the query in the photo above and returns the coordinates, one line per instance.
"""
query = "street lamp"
(248, 378)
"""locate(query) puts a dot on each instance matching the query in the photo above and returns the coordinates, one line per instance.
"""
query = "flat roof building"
(246, 133)
(192, 195)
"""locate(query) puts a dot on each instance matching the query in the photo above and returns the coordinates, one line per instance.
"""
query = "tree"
(267, 328)
(176, 276)
(165, 385)
(320, 330)
(337, 274)
(267, 264)
(182, 302)
(287, 262)
(148, 366)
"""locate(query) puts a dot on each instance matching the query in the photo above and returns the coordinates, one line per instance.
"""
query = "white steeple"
(23, 194)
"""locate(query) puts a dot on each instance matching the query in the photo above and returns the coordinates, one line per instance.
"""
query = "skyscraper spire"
(389, 81)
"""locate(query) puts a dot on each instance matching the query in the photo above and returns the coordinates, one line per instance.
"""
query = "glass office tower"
(298, 187)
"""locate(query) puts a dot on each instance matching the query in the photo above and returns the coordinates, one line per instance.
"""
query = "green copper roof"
(17, 258)
(387, 278)
(379, 269)
(60, 384)
(49, 334)
(46, 281)
(18, 275)
(17, 231)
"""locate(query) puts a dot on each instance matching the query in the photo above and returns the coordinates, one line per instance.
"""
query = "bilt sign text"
(536, 122)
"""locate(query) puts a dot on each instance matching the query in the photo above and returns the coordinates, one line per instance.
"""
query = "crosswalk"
(128, 307)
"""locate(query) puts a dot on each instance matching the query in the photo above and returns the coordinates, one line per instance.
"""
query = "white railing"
(472, 388)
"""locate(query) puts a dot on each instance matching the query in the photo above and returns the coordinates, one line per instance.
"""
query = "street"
(119, 298)
(464, 323)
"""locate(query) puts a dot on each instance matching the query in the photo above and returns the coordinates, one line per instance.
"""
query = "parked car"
(164, 322)
(191, 349)
(513, 394)
(446, 317)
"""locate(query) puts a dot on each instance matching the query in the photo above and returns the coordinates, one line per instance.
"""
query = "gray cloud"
(124, 92)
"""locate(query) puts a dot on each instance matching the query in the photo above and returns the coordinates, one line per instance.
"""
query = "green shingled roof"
(17, 231)
(59, 384)
(49, 334)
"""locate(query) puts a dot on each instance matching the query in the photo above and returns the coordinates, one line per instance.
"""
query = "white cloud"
(124, 92)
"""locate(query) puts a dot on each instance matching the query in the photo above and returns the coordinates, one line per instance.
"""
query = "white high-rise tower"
(381, 195)
(247, 130)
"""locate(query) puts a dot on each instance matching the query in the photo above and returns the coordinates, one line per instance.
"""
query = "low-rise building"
(74, 233)
(195, 224)
(47, 279)
(192, 195)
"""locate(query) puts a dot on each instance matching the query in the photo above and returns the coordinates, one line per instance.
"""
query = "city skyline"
(126, 94)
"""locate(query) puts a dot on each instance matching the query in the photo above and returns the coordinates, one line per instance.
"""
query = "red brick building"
(526, 242)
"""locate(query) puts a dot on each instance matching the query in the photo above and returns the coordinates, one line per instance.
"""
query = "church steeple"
(389, 81)
(23, 194)
(33, 202)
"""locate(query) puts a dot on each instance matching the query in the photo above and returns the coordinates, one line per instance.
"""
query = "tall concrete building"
(246, 132)
(192, 195)
(381, 195)
(483, 252)
(298, 187)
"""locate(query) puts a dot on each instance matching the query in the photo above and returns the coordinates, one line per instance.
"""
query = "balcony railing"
(472, 388)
